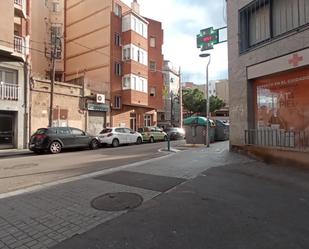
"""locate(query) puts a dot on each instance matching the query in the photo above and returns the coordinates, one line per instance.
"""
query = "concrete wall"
(67, 97)
(239, 85)
(88, 38)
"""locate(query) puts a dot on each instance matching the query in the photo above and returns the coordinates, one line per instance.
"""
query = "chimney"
(135, 6)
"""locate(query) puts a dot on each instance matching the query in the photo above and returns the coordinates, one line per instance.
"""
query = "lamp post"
(207, 98)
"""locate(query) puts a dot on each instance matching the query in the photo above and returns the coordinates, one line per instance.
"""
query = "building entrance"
(6, 131)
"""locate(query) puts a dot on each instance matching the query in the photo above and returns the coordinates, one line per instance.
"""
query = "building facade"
(109, 50)
(269, 76)
(222, 91)
(14, 69)
(171, 114)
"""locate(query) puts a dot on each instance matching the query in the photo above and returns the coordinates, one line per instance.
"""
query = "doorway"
(133, 121)
(7, 138)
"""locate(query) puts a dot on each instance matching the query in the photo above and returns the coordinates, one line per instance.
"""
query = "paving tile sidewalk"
(43, 218)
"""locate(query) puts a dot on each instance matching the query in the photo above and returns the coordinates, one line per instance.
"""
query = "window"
(117, 39)
(63, 130)
(117, 103)
(126, 54)
(147, 120)
(118, 68)
(8, 76)
(152, 91)
(134, 82)
(265, 19)
(77, 132)
(152, 66)
(58, 76)
(117, 10)
(152, 42)
(55, 7)
(56, 32)
(126, 83)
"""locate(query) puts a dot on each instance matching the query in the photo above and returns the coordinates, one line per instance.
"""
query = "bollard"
(168, 143)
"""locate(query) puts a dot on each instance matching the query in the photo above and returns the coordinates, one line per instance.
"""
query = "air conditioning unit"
(100, 98)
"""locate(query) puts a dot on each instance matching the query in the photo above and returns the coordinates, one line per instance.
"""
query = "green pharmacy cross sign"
(207, 38)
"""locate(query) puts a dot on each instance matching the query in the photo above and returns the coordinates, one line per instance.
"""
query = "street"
(29, 170)
(192, 198)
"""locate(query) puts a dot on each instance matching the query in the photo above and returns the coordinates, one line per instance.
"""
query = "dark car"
(55, 139)
(175, 133)
(222, 131)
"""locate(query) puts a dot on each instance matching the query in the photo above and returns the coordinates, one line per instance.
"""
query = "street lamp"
(207, 98)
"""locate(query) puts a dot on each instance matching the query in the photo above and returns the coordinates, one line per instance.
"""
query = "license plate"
(32, 145)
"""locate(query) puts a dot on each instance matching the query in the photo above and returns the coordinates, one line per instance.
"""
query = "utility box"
(195, 128)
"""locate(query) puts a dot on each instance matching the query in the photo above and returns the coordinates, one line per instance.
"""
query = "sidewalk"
(180, 196)
(14, 152)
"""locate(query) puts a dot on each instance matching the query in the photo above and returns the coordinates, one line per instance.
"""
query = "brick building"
(114, 51)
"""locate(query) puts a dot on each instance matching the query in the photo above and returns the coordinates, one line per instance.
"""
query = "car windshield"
(104, 131)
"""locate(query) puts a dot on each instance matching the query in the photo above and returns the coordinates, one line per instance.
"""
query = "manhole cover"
(117, 201)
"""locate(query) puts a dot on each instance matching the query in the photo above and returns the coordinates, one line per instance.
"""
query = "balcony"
(135, 98)
(19, 44)
(9, 91)
(20, 8)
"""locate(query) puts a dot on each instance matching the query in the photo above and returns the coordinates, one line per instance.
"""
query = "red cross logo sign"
(294, 61)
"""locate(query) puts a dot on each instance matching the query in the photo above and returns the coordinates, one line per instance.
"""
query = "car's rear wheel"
(151, 140)
(94, 144)
(139, 140)
(55, 147)
(115, 142)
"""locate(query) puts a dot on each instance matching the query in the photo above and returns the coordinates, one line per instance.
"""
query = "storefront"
(282, 101)
(97, 117)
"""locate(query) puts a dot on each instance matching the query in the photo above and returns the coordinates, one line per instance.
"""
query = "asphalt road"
(24, 171)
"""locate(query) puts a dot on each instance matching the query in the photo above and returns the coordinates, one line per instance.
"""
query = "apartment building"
(47, 23)
(108, 49)
(171, 114)
(14, 57)
(269, 77)
(222, 91)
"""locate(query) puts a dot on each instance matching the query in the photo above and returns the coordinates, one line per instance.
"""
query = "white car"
(118, 135)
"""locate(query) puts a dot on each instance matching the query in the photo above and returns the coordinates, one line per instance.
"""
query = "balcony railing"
(18, 2)
(9, 91)
(276, 138)
(19, 44)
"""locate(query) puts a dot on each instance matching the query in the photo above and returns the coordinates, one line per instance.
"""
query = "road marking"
(75, 178)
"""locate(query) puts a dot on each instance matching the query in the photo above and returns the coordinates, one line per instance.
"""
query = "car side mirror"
(132, 132)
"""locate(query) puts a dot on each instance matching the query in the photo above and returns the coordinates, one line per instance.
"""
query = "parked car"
(175, 133)
(118, 135)
(55, 139)
(222, 131)
(152, 134)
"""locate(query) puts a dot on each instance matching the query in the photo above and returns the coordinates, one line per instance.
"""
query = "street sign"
(207, 38)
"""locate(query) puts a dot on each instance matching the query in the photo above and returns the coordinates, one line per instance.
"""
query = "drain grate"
(117, 201)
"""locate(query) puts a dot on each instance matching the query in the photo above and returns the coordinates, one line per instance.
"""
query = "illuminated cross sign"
(207, 38)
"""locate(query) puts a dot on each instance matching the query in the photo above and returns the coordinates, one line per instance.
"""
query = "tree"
(195, 103)
(215, 103)
(192, 100)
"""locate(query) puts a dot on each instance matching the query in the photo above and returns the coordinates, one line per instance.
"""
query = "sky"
(182, 20)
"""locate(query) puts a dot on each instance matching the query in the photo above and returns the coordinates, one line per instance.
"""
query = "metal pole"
(52, 87)
(207, 104)
(180, 99)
